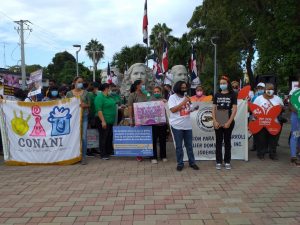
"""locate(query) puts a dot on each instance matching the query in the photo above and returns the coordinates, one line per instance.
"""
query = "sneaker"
(154, 161)
(83, 161)
(179, 168)
(105, 158)
(218, 166)
(195, 167)
(139, 158)
(165, 160)
(227, 166)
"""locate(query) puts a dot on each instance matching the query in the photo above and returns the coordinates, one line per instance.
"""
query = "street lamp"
(215, 63)
(77, 46)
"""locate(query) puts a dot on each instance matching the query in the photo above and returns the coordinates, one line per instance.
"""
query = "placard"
(133, 141)
(149, 113)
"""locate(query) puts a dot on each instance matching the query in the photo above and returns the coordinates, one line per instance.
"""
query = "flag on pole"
(109, 78)
(193, 65)
(165, 62)
(126, 69)
(145, 25)
(156, 68)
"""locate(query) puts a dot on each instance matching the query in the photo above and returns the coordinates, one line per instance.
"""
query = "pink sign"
(149, 113)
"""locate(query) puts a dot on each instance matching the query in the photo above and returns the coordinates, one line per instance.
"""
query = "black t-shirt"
(225, 101)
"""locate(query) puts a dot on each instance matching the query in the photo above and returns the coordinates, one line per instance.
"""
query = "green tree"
(159, 34)
(128, 56)
(95, 47)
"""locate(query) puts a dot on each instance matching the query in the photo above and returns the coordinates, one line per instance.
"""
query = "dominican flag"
(156, 68)
(109, 78)
(145, 25)
(165, 62)
(193, 65)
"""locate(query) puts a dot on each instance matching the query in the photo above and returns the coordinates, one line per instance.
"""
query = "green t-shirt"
(108, 107)
(92, 97)
(117, 98)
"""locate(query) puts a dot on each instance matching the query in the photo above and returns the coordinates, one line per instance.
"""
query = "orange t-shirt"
(203, 98)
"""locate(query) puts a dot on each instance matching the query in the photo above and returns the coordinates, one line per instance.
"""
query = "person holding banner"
(136, 95)
(223, 113)
(267, 142)
(79, 92)
(52, 94)
(181, 125)
(106, 109)
(159, 131)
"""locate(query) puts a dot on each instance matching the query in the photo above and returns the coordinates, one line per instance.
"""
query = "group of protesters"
(103, 107)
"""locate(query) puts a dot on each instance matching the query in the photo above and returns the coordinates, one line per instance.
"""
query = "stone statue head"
(179, 72)
(137, 71)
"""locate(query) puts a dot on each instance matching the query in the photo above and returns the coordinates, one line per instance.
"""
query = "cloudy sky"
(57, 25)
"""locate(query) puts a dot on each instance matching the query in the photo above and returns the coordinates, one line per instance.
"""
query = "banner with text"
(41, 132)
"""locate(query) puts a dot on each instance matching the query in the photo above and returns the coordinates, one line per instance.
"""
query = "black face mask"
(182, 92)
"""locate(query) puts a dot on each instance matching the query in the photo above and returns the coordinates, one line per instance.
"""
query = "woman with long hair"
(79, 92)
(223, 113)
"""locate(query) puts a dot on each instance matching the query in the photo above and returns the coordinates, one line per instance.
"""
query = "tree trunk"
(249, 66)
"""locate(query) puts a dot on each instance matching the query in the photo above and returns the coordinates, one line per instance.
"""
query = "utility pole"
(94, 66)
(23, 66)
(215, 64)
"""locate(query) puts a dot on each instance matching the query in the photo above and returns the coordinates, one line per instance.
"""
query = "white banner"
(204, 144)
(41, 132)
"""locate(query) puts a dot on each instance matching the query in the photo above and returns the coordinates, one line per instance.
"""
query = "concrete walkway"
(125, 192)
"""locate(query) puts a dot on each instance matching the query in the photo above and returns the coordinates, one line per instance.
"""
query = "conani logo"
(205, 120)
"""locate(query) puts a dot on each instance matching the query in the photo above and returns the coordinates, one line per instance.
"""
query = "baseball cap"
(261, 84)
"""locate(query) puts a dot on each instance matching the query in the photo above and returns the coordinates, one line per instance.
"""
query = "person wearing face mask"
(106, 110)
(181, 124)
(159, 131)
(200, 96)
(260, 90)
(267, 142)
(235, 86)
(223, 113)
(137, 94)
(79, 92)
(52, 94)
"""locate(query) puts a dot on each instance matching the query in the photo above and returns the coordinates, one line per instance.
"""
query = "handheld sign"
(264, 119)
(244, 92)
(295, 101)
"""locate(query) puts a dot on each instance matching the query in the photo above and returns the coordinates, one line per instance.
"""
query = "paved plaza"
(122, 191)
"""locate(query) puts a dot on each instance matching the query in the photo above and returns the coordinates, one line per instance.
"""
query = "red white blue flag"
(193, 65)
(145, 25)
(165, 61)
(156, 68)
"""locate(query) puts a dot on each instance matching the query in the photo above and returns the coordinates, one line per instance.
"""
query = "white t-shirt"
(195, 83)
(179, 120)
(168, 79)
(114, 79)
(265, 104)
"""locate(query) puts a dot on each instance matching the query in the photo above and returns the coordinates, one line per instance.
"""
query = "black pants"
(159, 132)
(223, 134)
(266, 143)
(105, 138)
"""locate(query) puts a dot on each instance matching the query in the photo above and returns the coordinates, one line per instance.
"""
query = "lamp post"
(79, 47)
(215, 63)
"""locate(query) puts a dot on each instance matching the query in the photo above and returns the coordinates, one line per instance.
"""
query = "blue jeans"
(187, 137)
(295, 130)
(85, 120)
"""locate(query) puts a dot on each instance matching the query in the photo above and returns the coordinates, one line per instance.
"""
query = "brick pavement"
(125, 192)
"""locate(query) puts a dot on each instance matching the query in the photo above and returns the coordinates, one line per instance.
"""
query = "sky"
(57, 25)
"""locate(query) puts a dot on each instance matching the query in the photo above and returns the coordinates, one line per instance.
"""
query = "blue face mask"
(143, 87)
(79, 85)
(54, 93)
(223, 87)
(260, 92)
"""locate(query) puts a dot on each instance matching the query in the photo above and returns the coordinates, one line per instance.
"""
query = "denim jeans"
(295, 130)
(85, 119)
(187, 137)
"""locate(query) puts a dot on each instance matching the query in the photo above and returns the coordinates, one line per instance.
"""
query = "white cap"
(261, 84)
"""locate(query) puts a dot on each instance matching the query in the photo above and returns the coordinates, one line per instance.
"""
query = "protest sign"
(295, 101)
(35, 82)
(149, 113)
(41, 132)
(133, 141)
(265, 119)
(92, 138)
(11, 83)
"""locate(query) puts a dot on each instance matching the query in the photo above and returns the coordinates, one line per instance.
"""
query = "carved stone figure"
(179, 72)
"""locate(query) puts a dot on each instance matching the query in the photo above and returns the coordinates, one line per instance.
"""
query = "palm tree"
(95, 47)
(159, 34)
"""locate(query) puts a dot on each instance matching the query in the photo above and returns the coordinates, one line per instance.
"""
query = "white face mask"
(270, 92)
